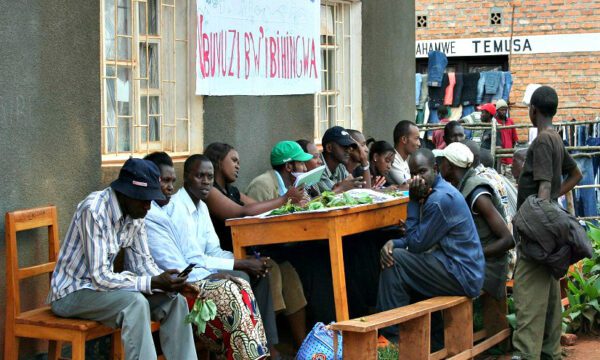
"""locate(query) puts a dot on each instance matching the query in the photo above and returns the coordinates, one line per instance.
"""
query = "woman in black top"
(225, 201)
(381, 157)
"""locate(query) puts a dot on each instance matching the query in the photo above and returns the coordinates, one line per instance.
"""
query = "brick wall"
(575, 76)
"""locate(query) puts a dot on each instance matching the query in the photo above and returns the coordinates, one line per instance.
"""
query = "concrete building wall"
(388, 75)
(253, 124)
(575, 76)
(49, 120)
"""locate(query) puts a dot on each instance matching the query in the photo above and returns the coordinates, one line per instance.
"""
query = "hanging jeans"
(468, 110)
(594, 141)
(585, 199)
(508, 82)
(499, 93)
(436, 67)
(418, 80)
(492, 82)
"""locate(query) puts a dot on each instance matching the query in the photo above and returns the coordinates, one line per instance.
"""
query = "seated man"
(487, 211)
(200, 243)
(287, 158)
(237, 331)
(440, 253)
(406, 142)
(85, 286)
(337, 145)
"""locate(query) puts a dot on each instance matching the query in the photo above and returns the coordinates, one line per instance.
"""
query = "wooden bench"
(414, 321)
(41, 323)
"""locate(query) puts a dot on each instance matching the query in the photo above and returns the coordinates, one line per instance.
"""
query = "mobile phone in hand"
(187, 270)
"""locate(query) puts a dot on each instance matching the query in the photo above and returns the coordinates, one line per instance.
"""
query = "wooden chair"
(41, 323)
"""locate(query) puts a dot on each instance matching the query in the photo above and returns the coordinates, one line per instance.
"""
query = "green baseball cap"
(286, 151)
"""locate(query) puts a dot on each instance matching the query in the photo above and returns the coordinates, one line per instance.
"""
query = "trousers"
(131, 311)
(538, 310)
(415, 277)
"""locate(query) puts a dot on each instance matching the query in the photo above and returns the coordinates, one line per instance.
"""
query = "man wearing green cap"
(287, 158)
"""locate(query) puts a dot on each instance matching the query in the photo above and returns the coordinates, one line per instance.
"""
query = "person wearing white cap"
(508, 137)
(487, 210)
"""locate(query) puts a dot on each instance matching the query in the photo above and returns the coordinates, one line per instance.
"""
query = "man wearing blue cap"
(84, 284)
(337, 144)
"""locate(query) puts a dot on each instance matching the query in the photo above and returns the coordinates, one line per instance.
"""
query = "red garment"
(438, 136)
(450, 89)
(508, 137)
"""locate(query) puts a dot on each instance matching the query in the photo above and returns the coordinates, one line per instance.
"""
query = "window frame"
(193, 113)
(353, 73)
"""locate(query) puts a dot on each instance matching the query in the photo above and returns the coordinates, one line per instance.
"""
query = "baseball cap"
(286, 151)
(528, 92)
(457, 153)
(489, 107)
(501, 104)
(339, 135)
(139, 179)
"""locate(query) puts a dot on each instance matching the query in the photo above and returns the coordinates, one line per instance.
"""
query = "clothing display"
(448, 96)
(436, 67)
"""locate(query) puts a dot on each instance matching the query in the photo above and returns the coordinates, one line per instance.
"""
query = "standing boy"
(536, 291)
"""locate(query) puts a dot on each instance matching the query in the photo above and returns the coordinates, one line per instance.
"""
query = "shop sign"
(534, 44)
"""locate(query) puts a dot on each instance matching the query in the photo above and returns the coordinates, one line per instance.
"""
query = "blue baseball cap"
(139, 179)
(339, 135)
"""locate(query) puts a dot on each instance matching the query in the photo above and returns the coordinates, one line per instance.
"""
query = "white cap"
(457, 153)
(529, 91)
(501, 104)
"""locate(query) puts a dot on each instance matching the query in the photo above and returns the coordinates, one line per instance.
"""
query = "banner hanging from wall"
(258, 47)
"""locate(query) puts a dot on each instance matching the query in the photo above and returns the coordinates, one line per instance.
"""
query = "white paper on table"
(310, 178)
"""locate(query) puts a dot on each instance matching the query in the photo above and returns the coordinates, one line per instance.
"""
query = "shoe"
(516, 357)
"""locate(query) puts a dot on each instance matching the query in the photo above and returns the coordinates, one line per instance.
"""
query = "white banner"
(534, 44)
(258, 47)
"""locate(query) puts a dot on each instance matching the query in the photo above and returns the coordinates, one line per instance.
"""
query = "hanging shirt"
(98, 231)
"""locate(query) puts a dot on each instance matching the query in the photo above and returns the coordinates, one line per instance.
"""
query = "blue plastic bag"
(318, 344)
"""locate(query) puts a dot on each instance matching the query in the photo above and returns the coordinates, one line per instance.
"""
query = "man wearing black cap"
(337, 145)
(84, 284)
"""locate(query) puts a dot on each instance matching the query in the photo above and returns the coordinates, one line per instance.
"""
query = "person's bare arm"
(484, 207)
(572, 179)
(544, 188)
(224, 208)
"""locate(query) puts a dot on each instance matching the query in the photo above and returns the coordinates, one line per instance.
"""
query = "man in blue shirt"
(440, 253)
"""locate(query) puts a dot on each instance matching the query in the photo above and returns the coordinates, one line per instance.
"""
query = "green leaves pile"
(328, 199)
(204, 310)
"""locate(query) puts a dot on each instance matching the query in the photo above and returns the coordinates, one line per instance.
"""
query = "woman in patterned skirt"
(237, 331)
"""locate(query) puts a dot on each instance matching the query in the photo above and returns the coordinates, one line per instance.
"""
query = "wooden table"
(330, 225)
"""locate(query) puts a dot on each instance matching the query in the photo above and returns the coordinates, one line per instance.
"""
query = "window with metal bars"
(421, 21)
(338, 102)
(145, 72)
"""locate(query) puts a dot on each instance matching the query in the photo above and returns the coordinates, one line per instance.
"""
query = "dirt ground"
(587, 347)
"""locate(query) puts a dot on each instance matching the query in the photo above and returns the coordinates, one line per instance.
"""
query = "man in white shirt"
(406, 142)
(200, 242)
(85, 285)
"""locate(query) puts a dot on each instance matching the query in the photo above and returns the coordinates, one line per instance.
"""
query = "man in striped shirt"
(85, 285)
